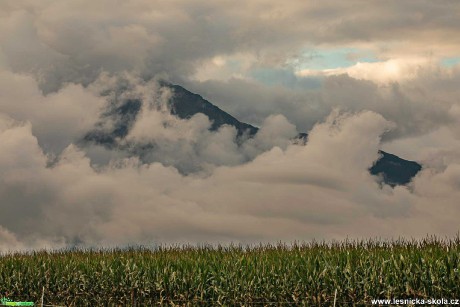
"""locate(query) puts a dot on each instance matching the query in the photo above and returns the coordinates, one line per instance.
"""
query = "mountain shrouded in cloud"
(95, 150)
(130, 117)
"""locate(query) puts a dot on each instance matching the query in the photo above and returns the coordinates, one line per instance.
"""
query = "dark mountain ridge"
(184, 104)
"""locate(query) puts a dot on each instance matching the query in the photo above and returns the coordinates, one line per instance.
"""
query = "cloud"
(322, 190)
(392, 70)
(418, 105)
(58, 119)
(155, 135)
(74, 41)
(62, 65)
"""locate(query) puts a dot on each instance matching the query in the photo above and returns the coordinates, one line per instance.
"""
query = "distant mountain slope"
(123, 116)
(185, 104)
(394, 170)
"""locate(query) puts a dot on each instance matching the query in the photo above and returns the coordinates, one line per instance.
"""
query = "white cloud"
(74, 41)
(392, 70)
(321, 190)
(58, 119)
(56, 57)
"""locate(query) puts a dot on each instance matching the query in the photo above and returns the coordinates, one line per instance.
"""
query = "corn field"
(278, 275)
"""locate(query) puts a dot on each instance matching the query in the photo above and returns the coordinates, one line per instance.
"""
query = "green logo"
(8, 302)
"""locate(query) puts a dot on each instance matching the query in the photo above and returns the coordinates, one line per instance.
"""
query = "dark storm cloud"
(73, 41)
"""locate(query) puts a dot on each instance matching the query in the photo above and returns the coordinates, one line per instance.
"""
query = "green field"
(280, 275)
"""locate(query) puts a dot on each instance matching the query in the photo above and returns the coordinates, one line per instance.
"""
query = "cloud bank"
(62, 63)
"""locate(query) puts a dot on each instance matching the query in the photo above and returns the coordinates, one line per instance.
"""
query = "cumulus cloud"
(417, 106)
(74, 41)
(322, 190)
(392, 70)
(65, 65)
(190, 145)
(58, 119)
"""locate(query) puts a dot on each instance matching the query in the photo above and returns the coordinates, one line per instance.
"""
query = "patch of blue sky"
(449, 62)
(315, 59)
(320, 59)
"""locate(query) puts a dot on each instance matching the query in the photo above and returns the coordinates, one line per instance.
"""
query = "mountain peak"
(184, 104)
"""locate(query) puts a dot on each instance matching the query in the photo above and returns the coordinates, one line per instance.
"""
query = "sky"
(358, 76)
